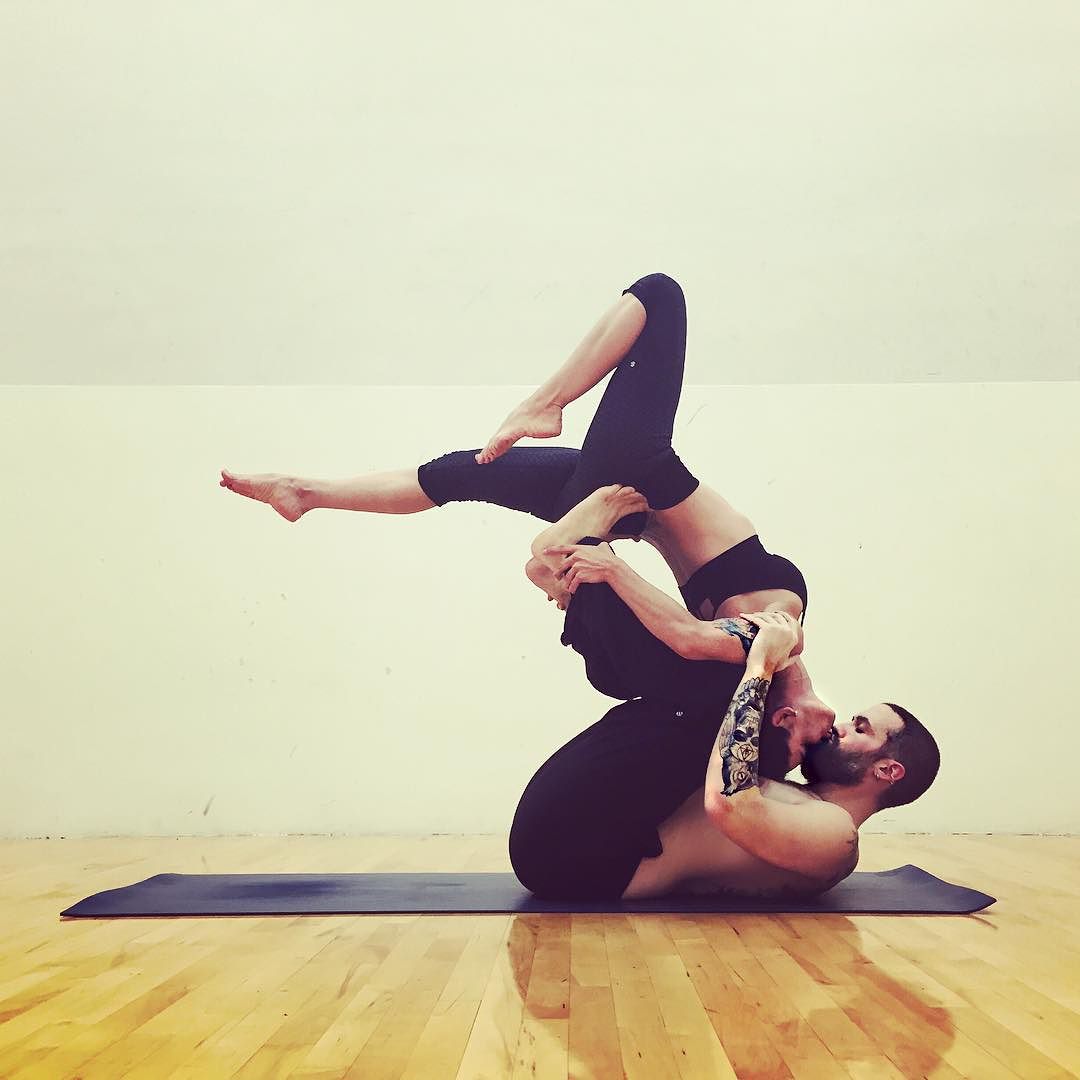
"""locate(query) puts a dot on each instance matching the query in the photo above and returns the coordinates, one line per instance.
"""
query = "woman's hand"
(585, 563)
(778, 635)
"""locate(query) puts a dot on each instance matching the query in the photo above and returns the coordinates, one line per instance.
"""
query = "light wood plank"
(670, 995)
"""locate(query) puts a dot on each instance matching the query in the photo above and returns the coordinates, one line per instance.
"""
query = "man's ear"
(889, 770)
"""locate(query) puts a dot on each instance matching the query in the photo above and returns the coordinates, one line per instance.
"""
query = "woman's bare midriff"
(698, 858)
(697, 530)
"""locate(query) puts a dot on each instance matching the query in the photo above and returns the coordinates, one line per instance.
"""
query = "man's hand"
(777, 636)
(743, 619)
(585, 563)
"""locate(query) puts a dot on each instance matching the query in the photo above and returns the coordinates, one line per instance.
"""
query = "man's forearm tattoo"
(743, 629)
(737, 741)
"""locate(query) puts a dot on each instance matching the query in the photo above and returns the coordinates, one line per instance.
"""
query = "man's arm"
(816, 839)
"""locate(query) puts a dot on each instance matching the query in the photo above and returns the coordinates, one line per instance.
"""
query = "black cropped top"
(746, 567)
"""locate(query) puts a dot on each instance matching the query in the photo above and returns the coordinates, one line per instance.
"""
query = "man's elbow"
(719, 809)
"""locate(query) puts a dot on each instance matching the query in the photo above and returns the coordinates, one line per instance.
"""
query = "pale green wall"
(275, 192)
(167, 642)
(214, 216)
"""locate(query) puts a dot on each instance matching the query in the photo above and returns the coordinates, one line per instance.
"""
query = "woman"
(713, 551)
(589, 816)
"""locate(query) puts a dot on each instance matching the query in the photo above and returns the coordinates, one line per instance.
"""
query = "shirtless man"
(744, 834)
(740, 832)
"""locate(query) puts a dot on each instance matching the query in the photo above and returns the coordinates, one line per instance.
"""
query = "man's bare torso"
(698, 857)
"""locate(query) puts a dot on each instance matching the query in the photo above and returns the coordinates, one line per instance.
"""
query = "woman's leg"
(642, 342)
(525, 478)
(629, 439)
(591, 518)
(393, 492)
(540, 415)
(589, 814)
(628, 442)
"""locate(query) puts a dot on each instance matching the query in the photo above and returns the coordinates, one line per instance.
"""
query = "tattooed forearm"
(743, 629)
(737, 741)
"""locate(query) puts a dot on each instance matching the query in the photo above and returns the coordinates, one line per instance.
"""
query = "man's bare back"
(699, 858)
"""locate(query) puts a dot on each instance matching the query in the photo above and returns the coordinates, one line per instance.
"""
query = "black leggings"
(589, 814)
(628, 441)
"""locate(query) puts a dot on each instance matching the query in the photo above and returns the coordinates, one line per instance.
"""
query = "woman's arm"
(662, 616)
(729, 640)
(712, 640)
(726, 640)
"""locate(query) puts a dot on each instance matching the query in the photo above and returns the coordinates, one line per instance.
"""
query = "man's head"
(883, 750)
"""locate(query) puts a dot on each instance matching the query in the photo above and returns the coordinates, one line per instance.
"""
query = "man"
(620, 810)
(742, 833)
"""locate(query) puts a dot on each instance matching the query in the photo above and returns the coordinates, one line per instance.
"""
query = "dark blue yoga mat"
(907, 890)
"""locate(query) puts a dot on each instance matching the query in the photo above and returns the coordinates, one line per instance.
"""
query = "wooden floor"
(434, 996)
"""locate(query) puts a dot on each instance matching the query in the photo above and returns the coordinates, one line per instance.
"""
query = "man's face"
(852, 746)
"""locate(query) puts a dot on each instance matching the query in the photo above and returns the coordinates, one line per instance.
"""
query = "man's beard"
(827, 762)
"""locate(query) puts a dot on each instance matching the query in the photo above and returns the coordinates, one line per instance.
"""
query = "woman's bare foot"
(593, 516)
(284, 493)
(543, 578)
(528, 419)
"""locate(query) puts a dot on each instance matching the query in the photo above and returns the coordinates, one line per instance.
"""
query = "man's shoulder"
(827, 821)
(794, 794)
(847, 860)
(787, 791)
(833, 817)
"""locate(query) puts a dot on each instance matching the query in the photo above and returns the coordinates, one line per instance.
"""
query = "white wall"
(339, 237)
(429, 193)
(177, 659)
